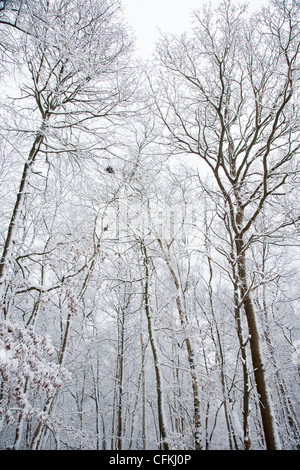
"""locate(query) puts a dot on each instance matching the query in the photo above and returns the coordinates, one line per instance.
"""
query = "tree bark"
(268, 419)
(190, 354)
(159, 386)
(18, 204)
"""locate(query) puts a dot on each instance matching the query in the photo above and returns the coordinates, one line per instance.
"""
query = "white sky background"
(147, 17)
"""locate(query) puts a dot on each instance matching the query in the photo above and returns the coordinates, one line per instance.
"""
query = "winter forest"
(149, 230)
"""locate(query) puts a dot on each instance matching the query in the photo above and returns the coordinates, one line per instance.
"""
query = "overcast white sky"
(172, 16)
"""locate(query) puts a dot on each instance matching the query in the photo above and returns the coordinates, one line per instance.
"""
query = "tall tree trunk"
(289, 423)
(13, 225)
(190, 354)
(143, 350)
(221, 359)
(246, 378)
(267, 415)
(154, 348)
(119, 379)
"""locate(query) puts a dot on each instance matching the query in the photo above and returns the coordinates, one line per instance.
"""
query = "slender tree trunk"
(195, 388)
(190, 354)
(221, 359)
(143, 378)
(268, 419)
(246, 377)
(286, 409)
(13, 225)
(120, 380)
(101, 443)
(20, 425)
(244, 358)
(38, 434)
(141, 386)
(152, 338)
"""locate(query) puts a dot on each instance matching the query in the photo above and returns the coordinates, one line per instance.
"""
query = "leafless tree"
(226, 97)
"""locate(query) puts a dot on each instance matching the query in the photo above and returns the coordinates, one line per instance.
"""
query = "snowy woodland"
(149, 230)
